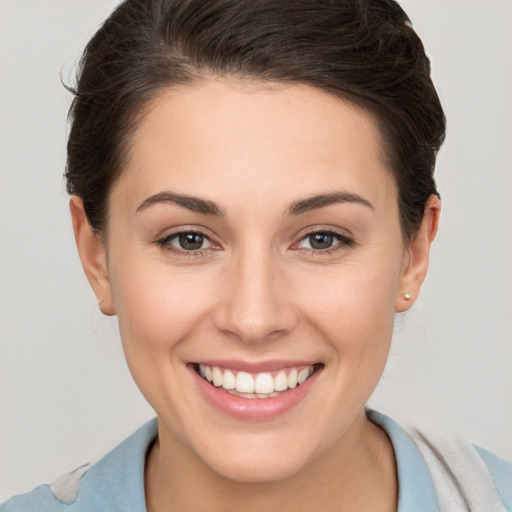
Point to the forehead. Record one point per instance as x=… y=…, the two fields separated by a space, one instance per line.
x=261 y=141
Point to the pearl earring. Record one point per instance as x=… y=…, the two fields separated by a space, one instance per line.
x=407 y=296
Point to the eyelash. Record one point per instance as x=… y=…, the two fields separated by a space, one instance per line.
x=343 y=242
x=165 y=243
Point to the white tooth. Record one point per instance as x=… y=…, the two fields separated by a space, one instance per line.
x=292 y=378
x=262 y=395
x=244 y=382
x=202 y=370
x=243 y=395
x=272 y=395
x=208 y=372
x=264 y=383
x=229 y=380
x=281 y=381
x=303 y=375
x=217 y=376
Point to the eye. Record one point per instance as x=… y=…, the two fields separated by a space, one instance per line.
x=190 y=241
x=323 y=241
x=186 y=241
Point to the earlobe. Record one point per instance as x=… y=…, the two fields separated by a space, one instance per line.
x=416 y=263
x=92 y=255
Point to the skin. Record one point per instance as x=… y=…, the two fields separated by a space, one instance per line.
x=256 y=291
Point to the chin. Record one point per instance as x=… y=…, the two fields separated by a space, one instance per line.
x=265 y=457
x=257 y=469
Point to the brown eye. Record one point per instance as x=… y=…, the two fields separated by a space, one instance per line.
x=185 y=242
x=190 y=241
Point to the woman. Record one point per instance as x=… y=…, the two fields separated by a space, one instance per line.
x=252 y=196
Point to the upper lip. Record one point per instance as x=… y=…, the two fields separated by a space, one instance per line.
x=255 y=367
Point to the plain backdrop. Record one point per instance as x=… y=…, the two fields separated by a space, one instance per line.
x=66 y=396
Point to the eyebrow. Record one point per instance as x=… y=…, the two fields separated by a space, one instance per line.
x=207 y=207
x=195 y=204
x=323 y=200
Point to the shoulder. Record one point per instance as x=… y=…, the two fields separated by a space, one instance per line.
x=501 y=471
x=39 y=500
x=460 y=473
x=459 y=467
x=57 y=496
x=114 y=483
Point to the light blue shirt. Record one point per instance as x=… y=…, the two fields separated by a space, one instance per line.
x=116 y=482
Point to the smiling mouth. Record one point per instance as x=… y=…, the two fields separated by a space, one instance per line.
x=257 y=385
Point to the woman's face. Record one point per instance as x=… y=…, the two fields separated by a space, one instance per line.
x=255 y=232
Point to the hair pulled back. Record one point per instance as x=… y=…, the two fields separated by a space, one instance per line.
x=362 y=50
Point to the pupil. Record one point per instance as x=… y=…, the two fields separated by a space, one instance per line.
x=191 y=241
x=321 y=240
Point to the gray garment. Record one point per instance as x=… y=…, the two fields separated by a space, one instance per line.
x=462 y=480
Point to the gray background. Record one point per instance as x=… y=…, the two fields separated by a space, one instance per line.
x=65 y=394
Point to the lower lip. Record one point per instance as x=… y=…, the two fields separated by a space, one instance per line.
x=254 y=408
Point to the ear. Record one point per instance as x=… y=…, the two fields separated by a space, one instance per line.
x=416 y=261
x=92 y=255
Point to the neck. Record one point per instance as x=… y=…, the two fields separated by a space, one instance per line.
x=357 y=474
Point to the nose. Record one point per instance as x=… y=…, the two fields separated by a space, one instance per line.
x=255 y=303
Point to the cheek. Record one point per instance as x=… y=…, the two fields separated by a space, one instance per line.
x=157 y=306
x=354 y=304
x=352 y=310
x=159 y=309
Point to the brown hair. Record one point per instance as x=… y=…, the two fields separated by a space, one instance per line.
x=363 y=50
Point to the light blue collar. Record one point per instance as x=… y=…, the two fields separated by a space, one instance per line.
x=416 y=491
x=117 y=480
